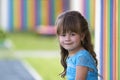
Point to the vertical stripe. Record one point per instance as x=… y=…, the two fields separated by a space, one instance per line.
x=98 y=35
x=105 y=49
x=101 y=37
x=17 y=15
x=75 y=5
x=110 y=41
x=5 y=6
x=0 y=13
x=10 y=8
x=51 y=12
x=87 y=12
x=84 y=7
x=66 y=4
x=31 y=14
x=24 y=15
x=116 y=22
x=114 y=42
x=92 y=17
x=20 y=15
x=92 y=13
x=40 y=11
x=37 y=13
x=44 y=12
x=59 y=7
x=111 y=38
x=81 y=6
x=119 y=40
x=108 y=46
x=103 y=46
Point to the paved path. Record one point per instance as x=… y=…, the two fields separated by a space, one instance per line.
x=12 y=69
x=15 y=69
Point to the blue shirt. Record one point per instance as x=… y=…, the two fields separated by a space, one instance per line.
x=81 y=58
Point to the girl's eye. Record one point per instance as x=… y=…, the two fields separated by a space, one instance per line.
x=62 y=35
x=73 y=34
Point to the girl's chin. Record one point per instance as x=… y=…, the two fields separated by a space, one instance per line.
x=69 y=49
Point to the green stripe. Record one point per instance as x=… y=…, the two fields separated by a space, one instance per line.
x=109 y=17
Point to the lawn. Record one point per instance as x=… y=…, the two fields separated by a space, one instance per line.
x=48 y=68
x=33 y=41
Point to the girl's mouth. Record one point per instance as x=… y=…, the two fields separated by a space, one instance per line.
x=67 y=43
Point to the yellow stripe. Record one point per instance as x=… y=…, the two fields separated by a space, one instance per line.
x=58 y=7
x=17 y=17
x=92 y=14
x=116 y=15
x=106 y=41
x=44 y=11
x=30 y=13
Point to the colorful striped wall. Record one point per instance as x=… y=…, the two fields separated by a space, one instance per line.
x=108 y=22
x=26 y=15
x=87 y=8
x=108 y=38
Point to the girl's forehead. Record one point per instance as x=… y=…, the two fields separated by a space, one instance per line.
x=68 y=29
x=67 y=32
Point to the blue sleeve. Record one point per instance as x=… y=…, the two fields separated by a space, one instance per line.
x=84 y=60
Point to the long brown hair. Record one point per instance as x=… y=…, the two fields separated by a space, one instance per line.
x=73 y=21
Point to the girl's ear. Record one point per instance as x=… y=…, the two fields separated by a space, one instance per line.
x=82 y=36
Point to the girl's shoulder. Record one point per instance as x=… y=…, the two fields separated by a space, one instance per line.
x=83 y=53
x=84 y=58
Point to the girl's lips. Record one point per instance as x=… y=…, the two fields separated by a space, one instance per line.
x=67 y=43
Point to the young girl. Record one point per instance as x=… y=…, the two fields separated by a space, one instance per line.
x=77 y=55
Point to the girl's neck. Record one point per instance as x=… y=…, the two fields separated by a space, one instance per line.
x=73 y=52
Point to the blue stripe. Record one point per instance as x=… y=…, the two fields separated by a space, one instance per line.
x=66 y=5
x=25 y=24
x=101 y=39
x=10 y=15
x=37 y=12
x=88 y=10
x=51 y=12
x=111 y=39
x=24 y=15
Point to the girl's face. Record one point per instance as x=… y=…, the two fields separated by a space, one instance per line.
x=71 y=41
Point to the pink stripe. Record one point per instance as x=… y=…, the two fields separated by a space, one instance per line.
x=104 y=35
x=114 y=41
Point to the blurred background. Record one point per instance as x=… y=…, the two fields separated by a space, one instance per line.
x=27 y=33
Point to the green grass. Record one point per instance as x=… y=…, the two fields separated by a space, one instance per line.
x=48 y=68
x=32 y=41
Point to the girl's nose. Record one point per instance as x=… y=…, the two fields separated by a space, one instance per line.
x=67 y=37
